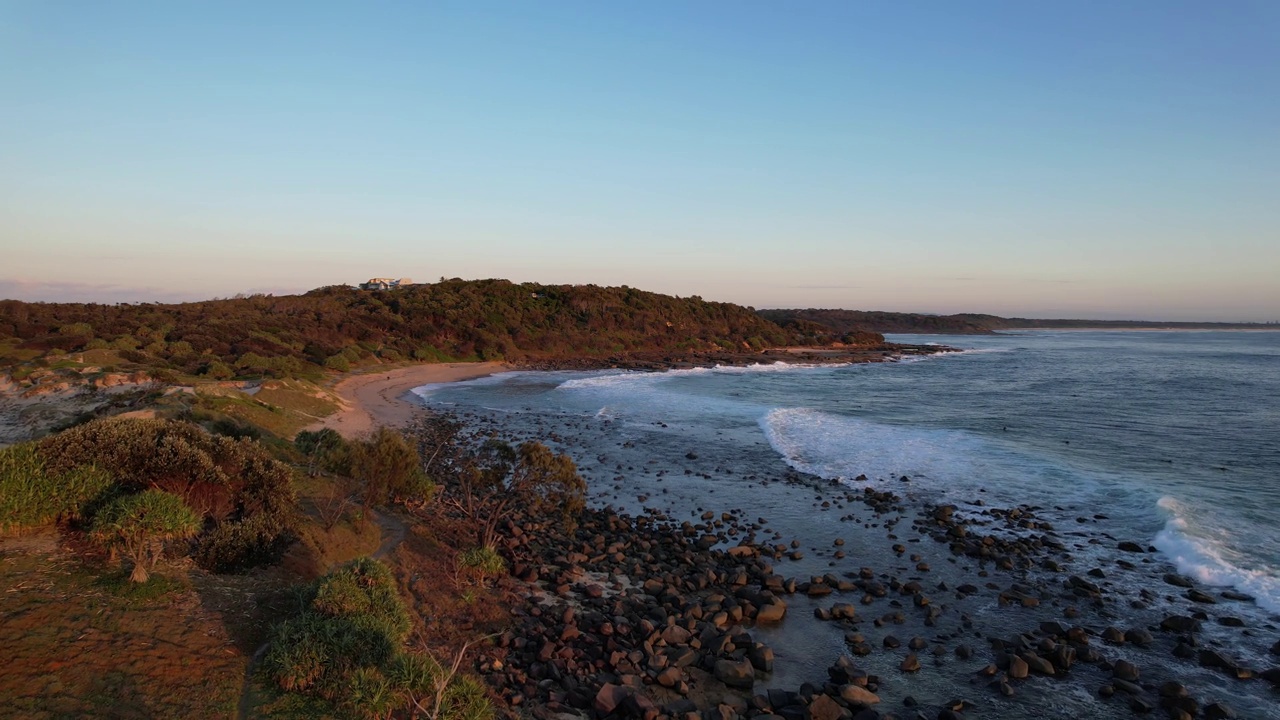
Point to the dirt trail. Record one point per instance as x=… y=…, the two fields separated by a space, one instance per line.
x=393 y=532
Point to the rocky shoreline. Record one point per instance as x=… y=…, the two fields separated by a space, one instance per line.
x=959 y=611
x=825 y=355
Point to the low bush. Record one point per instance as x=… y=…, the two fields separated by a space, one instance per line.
x=233 y=485
x=236 y=546
x=479 y=564
x=389 y=468
x=346 y=647
x=140 y=524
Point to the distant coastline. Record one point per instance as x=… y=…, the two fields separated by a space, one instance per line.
x=845 y=321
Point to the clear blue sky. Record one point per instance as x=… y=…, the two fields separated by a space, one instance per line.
x=1103 y=159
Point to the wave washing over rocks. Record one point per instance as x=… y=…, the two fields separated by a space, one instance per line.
x=904 y=595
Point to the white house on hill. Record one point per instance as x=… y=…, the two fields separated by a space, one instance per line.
x=385 y=283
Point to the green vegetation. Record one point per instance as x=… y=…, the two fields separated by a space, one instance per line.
x=478 y=564
x=140 y=524
x=388 y=468
x=491 y=484
x=381 y=469
x=117 y=476
x=339 y=328
x=816 y=325
x=32 y=495
x=346 y=646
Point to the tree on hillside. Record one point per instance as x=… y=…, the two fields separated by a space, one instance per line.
x=388 y=468
x=140 y=524
x=502 y=480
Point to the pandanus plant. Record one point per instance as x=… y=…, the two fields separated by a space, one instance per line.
x=140 y=524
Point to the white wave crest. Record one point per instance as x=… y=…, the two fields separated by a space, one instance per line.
x=1209 y=560
x=627 y=377
x=950 y=353
x=834 y=446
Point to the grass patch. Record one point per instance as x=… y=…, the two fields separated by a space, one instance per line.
x=31 y=495
x=118 y=585
x=280 y=408
x=75 y=648
x=297 y=397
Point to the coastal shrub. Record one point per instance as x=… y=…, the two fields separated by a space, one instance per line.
x=437 y=691
x=78 y=329
x=227 y=482
x=32 y=495
x=351 y=618
x=325 y=450
x=235 y=546
x=478 y=564
x=496 y=481
x=388 y=468
x=346 y=646
x=217 y=370
x=140 y=524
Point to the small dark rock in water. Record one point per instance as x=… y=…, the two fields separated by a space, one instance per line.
x=1180 y=623
x=1125 y=670
x=1138 y=636
x=1275 y=649
x=1177 y=580
x=1229 y=621
x=1201 y=597
x=738 y=674
x=1233 y=595
x=1173 y=689
x=1114 y=636
x=910 y=664
x=1140 y=706
x=1214 y=659
x=691 y=455
x=1018 y=668
x=1134 y=547
x=1219 y=711
x=824 y=708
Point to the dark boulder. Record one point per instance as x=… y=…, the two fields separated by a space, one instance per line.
x=1180 y=623
x=735 y=673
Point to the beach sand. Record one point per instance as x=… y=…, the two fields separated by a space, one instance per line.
x=380 y=398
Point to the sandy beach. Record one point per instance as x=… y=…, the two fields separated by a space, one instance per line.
x=380 y=398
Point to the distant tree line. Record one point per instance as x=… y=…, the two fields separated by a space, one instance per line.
x=338 y=327
x=842 y=322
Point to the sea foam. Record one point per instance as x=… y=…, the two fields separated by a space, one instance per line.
x=626 y=377
x=953 y=464
x=1210 y=560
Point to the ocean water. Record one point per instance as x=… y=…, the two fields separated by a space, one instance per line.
x=1167 y=439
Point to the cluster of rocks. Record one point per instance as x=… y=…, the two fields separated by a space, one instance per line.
x=652 y=618
x=633 y=603
x=1026 y=542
